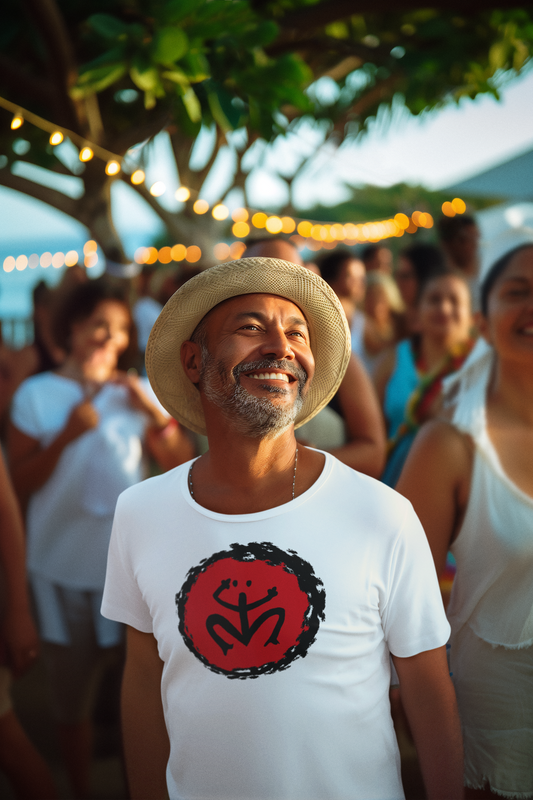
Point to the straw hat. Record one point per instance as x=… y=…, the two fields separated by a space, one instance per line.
x=330 y=335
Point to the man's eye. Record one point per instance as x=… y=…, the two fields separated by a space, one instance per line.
x=249 y=328
x=296 y=333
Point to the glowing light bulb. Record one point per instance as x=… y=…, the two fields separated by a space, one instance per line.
x=221 y=251
x=240 y=215
x=86 y=154
x=89 y=247
x=182 y=194
x=220 y=212
x=458 y=205
x=448 y=210
x=17 y=122
x=71 y=258
x=259 y=220
x=157 y=189
x=56 y=137
x=112 y=168
x=240 y=230
x=137 y=177
x=273 y=225
x=194 y=254
x=200 y=207
x=288 y=225
x=179 y=251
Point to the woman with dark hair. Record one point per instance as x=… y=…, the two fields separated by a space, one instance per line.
x=471 y=483
x=409 y=378
x=75 y=443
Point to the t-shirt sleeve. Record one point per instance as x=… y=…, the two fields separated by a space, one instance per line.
x=123 y=600
x=413 y=616
x=23 y=411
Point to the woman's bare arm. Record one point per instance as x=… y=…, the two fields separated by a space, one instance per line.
x=436 y=479
x=365 y=449
x=32 y=465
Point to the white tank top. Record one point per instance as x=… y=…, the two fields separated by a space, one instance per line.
x=493 y=588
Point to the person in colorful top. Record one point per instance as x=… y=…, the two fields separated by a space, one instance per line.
x=409 y=378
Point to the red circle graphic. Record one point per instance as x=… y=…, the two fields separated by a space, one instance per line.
x=247 y=611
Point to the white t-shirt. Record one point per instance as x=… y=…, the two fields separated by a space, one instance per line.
x=70 y=517
x=275 y=630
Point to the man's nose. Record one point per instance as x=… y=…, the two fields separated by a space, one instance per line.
x=277 y=345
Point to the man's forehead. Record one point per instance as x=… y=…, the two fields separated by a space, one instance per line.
x=257 y=303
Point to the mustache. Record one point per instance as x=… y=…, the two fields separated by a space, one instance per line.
x=271 y=365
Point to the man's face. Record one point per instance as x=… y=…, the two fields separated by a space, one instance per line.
x=258 y=363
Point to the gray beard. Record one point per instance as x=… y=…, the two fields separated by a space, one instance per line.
x=256 y=417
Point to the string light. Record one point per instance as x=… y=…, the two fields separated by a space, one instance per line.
x=220 y=212
x=194 y=254
x=315 y=235
x=240 y=215
x=89 y=247
x=86 y=154
x=240 y=229
x=71 y=258
x=182 y=194
x=458 y=205
x=157 y=189
x=112 y=168
x=200 y=207
x=273 y=225
x=164 y=255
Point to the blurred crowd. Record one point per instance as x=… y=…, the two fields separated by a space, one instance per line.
x=80 y=423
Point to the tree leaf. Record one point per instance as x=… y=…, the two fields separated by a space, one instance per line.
x=192 y=104
x=176 y=10
x=96 y=80
x=107 y=26
x=145 y=79
x=177 y=76
x=169 y=45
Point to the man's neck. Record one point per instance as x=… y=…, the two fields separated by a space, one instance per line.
x=244 y=475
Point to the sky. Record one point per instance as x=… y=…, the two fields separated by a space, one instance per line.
x=435 y=150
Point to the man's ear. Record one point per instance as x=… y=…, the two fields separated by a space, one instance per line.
x=191 y=361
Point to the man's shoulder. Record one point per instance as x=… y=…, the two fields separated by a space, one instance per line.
x=366 y=495
x=155 y=490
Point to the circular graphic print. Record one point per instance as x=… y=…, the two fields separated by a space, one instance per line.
x=251 y=610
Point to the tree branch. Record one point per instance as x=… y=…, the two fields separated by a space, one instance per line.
x=58 y=200
x=169 y=218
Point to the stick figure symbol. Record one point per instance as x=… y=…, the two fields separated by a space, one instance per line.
x=243 y=607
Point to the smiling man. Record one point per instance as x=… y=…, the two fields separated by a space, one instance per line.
x=265 y=585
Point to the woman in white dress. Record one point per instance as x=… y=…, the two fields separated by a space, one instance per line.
x=76 y=442
x=471 y=483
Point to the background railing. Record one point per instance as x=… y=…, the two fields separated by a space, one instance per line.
x=16 y=332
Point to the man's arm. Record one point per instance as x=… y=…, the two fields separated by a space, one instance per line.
x=146 y=743
x=429 y=701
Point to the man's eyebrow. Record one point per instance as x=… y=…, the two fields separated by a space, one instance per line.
x=294 y=320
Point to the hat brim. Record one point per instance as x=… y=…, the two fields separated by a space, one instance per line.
x=329 y=331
